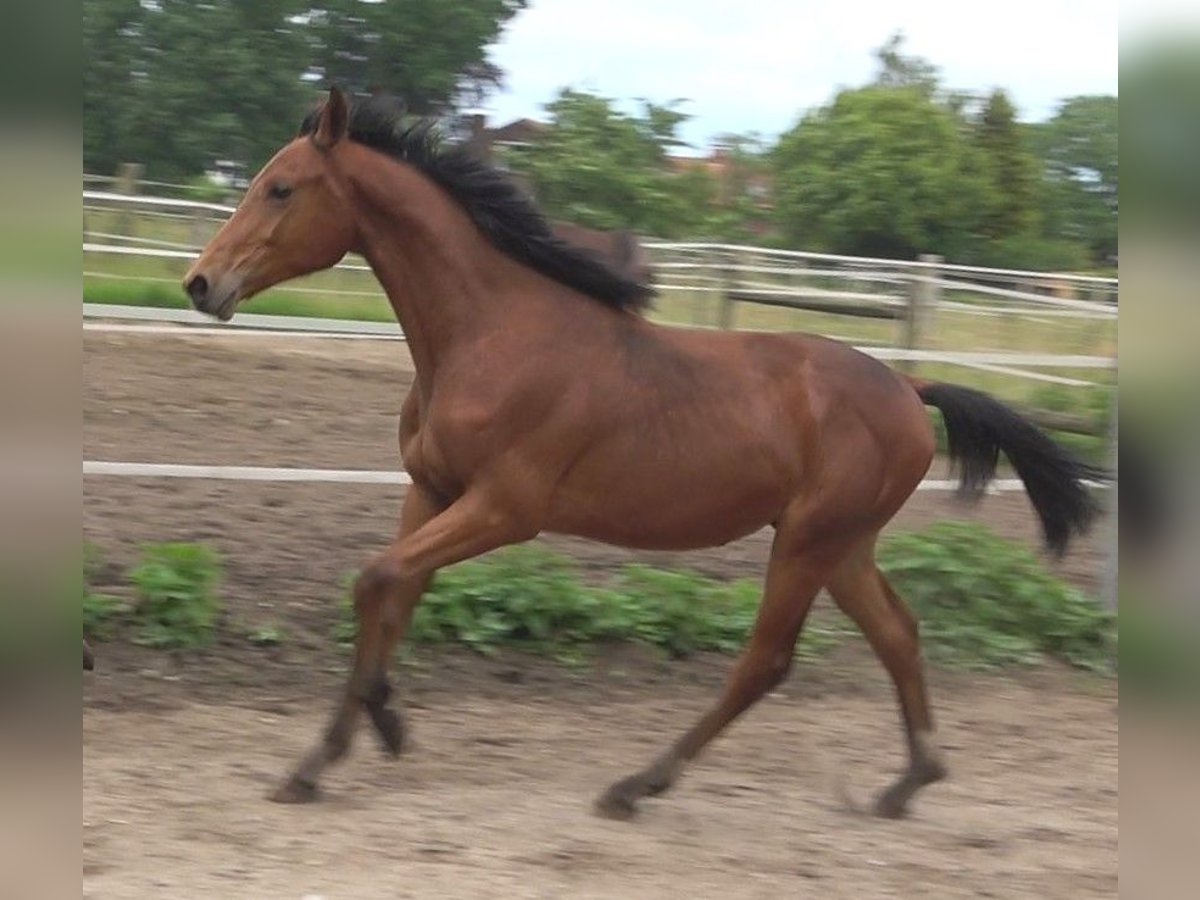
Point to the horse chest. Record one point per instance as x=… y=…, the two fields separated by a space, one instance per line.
x=430 y=459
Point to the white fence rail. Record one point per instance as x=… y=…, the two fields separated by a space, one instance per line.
x=700 y=261
x=156 y=320
x=107 y=468
x=712 y=280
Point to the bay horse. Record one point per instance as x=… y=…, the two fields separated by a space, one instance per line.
x=543 y=402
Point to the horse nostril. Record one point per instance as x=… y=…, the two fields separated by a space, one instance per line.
x=197 y=289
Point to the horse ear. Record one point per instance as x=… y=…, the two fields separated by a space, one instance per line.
x=333 y=120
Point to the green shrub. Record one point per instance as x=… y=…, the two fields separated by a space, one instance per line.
x=529 y=598
x=985 y=601
x=100 y=612
x=1037 y=253
x=515 y=597
x=175 y=586
x=683 y=612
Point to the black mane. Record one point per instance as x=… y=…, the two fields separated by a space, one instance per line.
x=504 y=213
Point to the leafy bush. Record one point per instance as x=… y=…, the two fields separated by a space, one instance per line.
x=532 y=599
x=1037 y=253
x=519 y=597
x=683 y=612
x=177 y=604
x=985 y=601
x=100 y=612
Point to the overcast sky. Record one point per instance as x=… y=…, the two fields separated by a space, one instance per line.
x=755 y=65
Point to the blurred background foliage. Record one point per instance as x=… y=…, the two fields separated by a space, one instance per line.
x=900 y=166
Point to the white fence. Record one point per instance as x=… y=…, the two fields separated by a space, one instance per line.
x=725 y=286
x=112 y=317
x=714 y=267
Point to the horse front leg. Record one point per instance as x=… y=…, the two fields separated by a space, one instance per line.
x=386 y=593
x=380 y=602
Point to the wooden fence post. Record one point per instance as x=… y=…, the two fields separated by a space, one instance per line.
x=128 y=176
x=923 y=297
x=725 y=318
x=701 y=313
x=199 y=230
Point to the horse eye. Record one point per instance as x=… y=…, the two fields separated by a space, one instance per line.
x=279 y=191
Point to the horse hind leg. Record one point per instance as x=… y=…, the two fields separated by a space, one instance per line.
x=794 y=576
x=863 y=593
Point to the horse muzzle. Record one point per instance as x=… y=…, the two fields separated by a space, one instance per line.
x=216 y=297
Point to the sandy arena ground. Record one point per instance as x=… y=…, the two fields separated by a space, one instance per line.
x=493 y=800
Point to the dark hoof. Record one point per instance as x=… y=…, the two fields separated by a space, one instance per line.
x=620 y=800
x=889 y=806
x=390 y=727
x=294 y=790
x=616 y=805
x=893 y=803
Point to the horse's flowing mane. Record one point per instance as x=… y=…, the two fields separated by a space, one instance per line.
x=500 y=209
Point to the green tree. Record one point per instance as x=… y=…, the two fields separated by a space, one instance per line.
x=429 y=52
x=743 y=208
x=175 y=85
x=1012 y=167
x=883 y=171
x=599 y=167
x=1078 y=152
x=109 y=44
x=896 y=69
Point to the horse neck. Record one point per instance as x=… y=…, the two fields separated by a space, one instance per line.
x=433 y=264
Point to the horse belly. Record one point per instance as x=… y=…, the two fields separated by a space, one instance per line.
x=668 y=507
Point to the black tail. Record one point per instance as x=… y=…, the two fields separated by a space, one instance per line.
x=979 y=427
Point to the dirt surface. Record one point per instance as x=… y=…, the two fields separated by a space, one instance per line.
x=493 y=800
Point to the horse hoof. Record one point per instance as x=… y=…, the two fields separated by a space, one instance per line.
x=890 y=807
x=619 y=802
x=617 y=807
x=294 y=790
x=391 y=730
